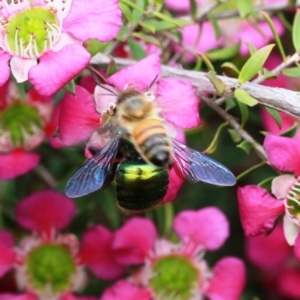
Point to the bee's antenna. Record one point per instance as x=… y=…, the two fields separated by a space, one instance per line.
x=152 y=82
x=99 y=79
x=112 y=92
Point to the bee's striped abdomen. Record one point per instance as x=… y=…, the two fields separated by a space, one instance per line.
x=151 y=138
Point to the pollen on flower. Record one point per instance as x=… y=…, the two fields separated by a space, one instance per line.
x=293 y=202
x=31 y=32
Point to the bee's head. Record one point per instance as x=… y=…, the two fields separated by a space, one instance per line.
x=134 y=105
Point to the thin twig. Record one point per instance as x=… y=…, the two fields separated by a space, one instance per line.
x=278 y=98
x=234 y=124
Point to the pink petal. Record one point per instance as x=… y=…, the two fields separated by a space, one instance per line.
x=281 y=185
x=104 y=99
x=124 y=289
x=260 y=250
x=134 y=240
x=291 y=229
x=178 y=102
x=98 y=19
x=288 y=282
x=25 y=296
x=175 y=183
x=78 y=117
x=44 y=211
x=297 y=247
x=283 y=153
x=182 y=5
x=56 y=69
x=229 y=279
x=20 y=67
x=258 y=210
x=96 y=252
x=141 y=73
x=4 y=67
x=208 y=226
x=17 y=163
x=6 y=252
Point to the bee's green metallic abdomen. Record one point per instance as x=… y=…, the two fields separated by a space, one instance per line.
x=140 y=185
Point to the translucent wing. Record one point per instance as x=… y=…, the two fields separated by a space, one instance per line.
x=195 y=166
x=94 y=173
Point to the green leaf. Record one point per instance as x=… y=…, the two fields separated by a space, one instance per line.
x=207 y=62
x=93 y=46
x=244 y=113
x=193 y=9
x=292 y=72
x=223 y=53
x=230 y=66
x=156 y=25
x=246 y=146
x=267 y=183
x=176 y=22
x=214 y=143
x=254 y=64
x=275 y=114
x=245 y=7
x=126 y=12
x=275 y=34
x=137 y=14
x=70 y=87
x=291 y=131
x=131 y=4
x=230 y=103
x=296 y=31
x=147 y=38
x=217 y=82
x=242 y=96
x=137 y=50
x=112 y=68
x=234 y=135
x=215 y=24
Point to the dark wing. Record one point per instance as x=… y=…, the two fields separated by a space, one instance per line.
x=94 y=173
x=195 y=166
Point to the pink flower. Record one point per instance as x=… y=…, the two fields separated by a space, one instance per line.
x=183 y=273
x=49 y=264
x=279 y=272
x=82 y=115
x=259 y=209
x=23 y=123
x=43 y=40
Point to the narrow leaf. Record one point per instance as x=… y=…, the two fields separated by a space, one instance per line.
x=275 y=114
x=254 y=63
x=70 y=87
x=207 y=62
x=292 y=72
x=245 y=7
x=223 y=53
x=296 y=31
x=215 y=24
x=246 y=146
x=231 y=66
x=234 y=135
x=147 y=38
x=244 y=97
x=244 y=113
x=217 y=82
x=137 y=50
x=214 y=143
x=291 y=131
x=275 y=34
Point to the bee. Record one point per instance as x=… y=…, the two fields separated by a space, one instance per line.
x=139 y=155
x=140 y=119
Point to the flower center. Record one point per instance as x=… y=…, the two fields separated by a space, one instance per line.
x=293 y=202
x=50 y=268
x=19 y=120
x=31 y=32
x=174 y=276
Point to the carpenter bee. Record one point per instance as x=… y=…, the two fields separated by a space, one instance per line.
x=139 y=155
